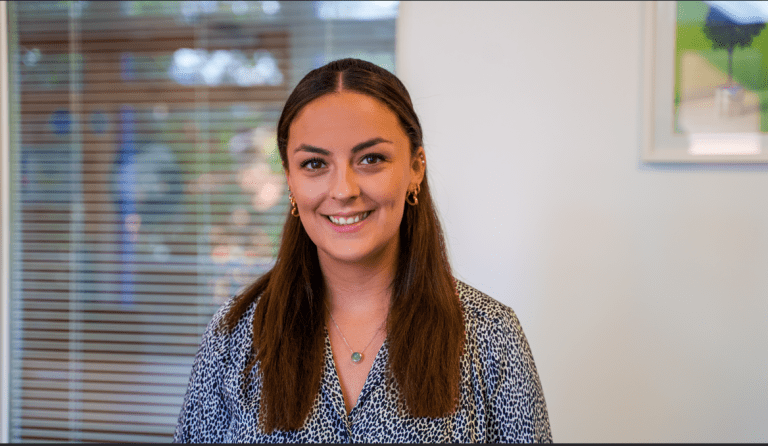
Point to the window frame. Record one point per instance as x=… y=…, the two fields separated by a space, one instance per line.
x=8 y=208
x=5 y=142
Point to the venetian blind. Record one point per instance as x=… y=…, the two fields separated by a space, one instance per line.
x=146 y=190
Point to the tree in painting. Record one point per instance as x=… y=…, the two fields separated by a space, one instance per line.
x=727 y=34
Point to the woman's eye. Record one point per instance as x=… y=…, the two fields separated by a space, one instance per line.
x=372 y=158
x=312 y=164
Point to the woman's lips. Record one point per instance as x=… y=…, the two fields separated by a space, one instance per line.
x=348 y=220
x=349 y=223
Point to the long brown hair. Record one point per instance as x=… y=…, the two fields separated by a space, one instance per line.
x=425 y=328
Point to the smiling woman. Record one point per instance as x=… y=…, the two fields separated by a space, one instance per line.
x=362 y=268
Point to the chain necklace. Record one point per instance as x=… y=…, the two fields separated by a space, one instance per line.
x=356 y=356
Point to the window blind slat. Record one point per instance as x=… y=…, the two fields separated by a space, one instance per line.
x=64 y=423
x=34 y=397
x=147 y=389
x=98 y=358
x=124 y=347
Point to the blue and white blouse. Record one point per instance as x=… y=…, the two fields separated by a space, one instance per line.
x=501 y=397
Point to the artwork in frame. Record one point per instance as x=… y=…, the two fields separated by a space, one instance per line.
x=705 y=82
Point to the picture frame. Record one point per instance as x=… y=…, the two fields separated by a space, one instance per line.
x=710 y=123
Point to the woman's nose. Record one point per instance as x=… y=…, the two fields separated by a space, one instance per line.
x=345 y=184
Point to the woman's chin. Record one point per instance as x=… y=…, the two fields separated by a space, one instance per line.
x=348 y=253
x=349 y=256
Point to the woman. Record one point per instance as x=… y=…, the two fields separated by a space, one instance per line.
x=362 y=268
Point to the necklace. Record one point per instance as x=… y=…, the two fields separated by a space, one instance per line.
x=356 y=356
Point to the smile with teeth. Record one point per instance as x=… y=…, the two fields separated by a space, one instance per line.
x=341 y=221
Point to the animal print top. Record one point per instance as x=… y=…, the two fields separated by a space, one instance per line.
x=501 y=396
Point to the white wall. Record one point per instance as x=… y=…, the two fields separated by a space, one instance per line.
x=642 y=289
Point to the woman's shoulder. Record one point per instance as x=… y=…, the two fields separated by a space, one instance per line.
x=484 y=312
x=224 y=346
x=218 y=330
x=500 y=355
x=492 y=326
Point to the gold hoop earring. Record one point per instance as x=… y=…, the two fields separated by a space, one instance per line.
x=294 y=208
x=412 y=197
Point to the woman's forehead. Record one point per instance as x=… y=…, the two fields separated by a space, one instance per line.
x=344 y=119
x=344 y=103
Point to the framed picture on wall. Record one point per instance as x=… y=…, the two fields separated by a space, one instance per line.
x=705 y=82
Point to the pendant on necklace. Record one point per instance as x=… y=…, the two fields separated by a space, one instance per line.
x=357 y=357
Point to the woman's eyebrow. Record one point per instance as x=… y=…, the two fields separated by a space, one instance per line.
x=357 y=148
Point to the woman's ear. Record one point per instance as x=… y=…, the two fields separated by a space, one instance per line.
x=418 y=166
x=287 y=176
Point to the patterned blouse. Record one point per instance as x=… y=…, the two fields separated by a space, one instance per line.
x=501 y=397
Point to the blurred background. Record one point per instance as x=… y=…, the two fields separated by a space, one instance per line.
x=145 y=189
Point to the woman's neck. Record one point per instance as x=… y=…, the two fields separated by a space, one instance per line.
x=359 y=290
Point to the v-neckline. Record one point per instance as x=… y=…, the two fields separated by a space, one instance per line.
x=373 y=376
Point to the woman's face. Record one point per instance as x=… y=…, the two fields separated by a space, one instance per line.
x=350 y=168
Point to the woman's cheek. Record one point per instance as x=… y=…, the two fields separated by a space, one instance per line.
x=312 y=192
